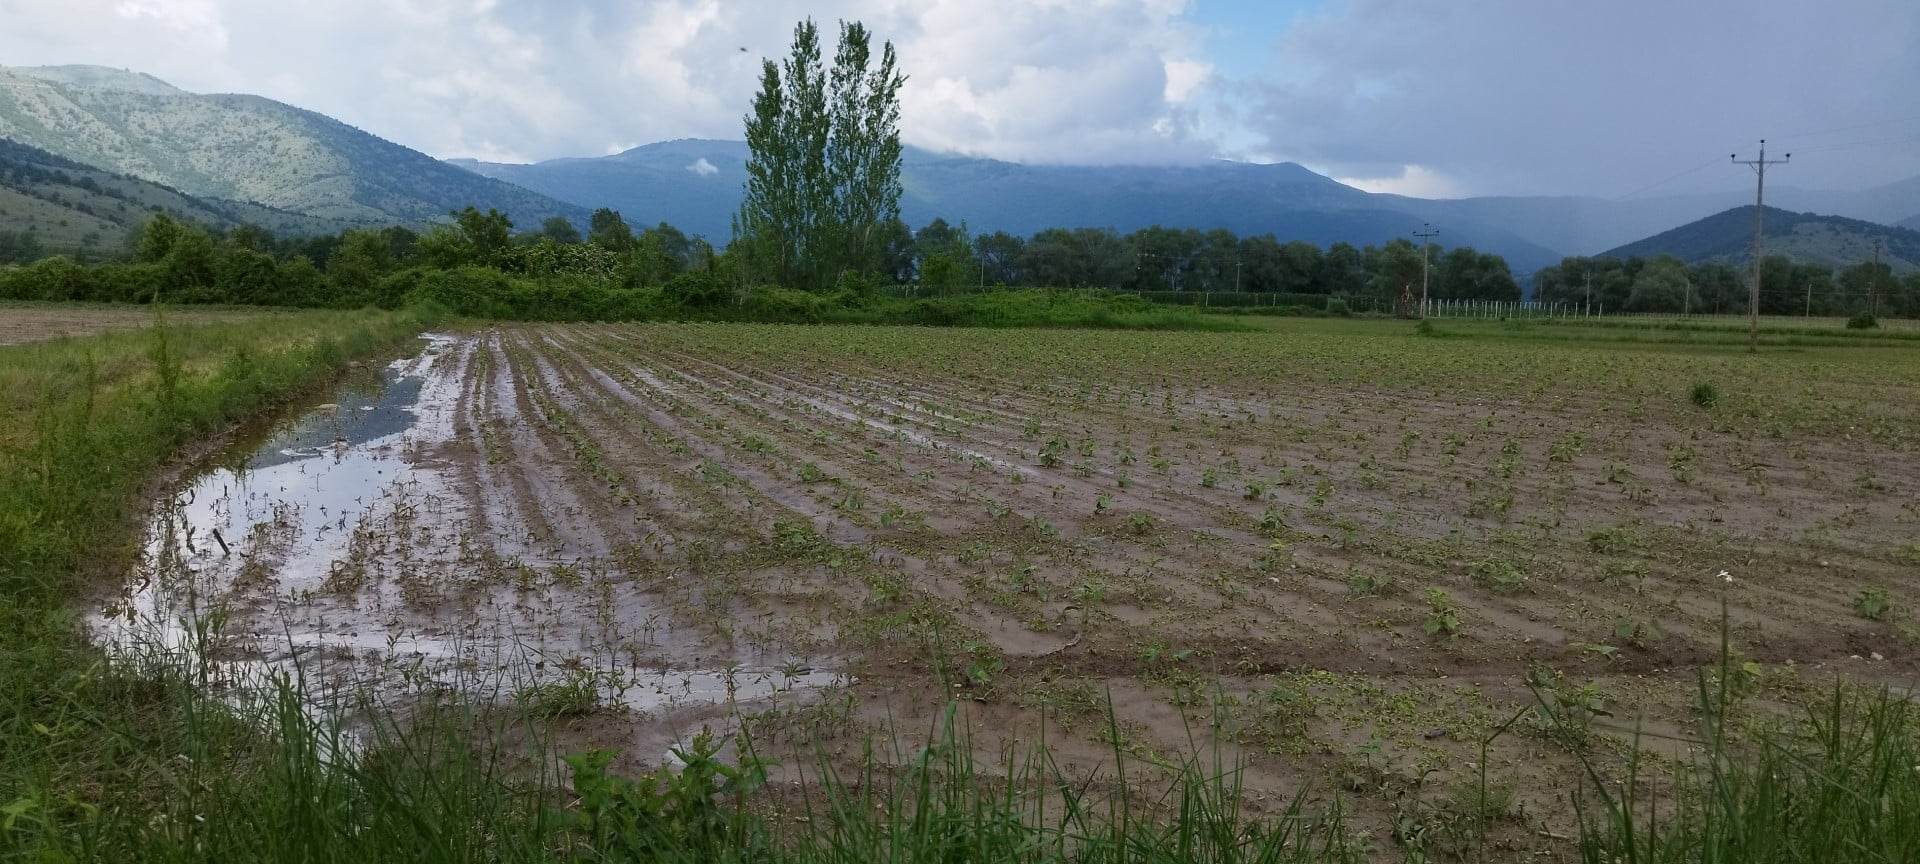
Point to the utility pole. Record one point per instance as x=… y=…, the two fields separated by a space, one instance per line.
x=1873 y=288
x=1426 y=234
x=1589 y=292
x=1759 y=222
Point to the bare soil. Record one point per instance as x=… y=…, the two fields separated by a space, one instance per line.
x=1347 y=579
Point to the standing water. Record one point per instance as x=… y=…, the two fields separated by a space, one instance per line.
x=343 y=552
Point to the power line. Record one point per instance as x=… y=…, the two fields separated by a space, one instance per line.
x=1858 y=126
x=1652 y=186
x=1759 y=220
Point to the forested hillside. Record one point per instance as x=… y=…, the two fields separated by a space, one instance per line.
x=244 y=148
x=52 y=205
x=1806 y=238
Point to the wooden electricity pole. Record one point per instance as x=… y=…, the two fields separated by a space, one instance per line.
x=1426 y=234
x=1759 y=223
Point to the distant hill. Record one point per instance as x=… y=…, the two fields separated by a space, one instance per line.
x=81 y=210
x=1911 y=222
x=695 y=184
x=244 y=148
x=1834 y=241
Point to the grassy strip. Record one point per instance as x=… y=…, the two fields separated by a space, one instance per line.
x=84 y=424
x=1840 y=785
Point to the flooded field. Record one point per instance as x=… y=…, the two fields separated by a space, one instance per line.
x=1346 y=562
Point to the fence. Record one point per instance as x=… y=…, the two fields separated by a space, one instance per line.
x=1435 y=307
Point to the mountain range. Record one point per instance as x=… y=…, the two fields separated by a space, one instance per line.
x=231 y=148
x=1833 y=241
x=695 y=184
x=245 y=148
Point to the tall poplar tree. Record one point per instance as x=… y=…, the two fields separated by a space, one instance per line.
x=823 y=170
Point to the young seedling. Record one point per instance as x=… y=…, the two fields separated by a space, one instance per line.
x=1443 y=619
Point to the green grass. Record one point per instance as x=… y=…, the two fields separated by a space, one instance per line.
x=1840 y=784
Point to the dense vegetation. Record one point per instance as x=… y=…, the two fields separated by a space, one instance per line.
x=479 y=266
x=1666 y=284
x=51 y=205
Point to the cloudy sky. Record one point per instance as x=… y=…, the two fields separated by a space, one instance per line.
x=1461 y=97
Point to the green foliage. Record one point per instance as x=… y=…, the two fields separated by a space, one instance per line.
x=1704 y=394
x=1863 y=321
x=823 y=174
x=1873 y=603
x=1443 y=617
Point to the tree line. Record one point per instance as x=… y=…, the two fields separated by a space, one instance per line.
x=1667 y=284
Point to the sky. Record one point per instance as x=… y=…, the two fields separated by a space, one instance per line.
x=1620 y=98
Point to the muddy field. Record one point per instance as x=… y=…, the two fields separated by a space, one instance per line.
x=1342 y=553
x=20 y=323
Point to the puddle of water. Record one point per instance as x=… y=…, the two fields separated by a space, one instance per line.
x=339 y=552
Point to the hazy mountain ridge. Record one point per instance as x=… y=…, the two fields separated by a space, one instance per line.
x=75 y=208
x=695 y=184
x=244 y=147
x=1833 y=241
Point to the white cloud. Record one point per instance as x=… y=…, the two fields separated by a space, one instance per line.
x=1418 y=181
x=1048 y=80
x=703 y=168
x=1521 y=96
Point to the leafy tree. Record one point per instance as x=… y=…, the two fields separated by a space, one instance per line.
x=863 y=159
x=1396 y=275
x=823 y=174
x=1660 y=286
x=251 y=237
x=488 y=235
x=157 y=238
x=1343 y=270
x=1462 y=273
x=559 y=230
x=356 y=267
x=610 y=232
x=944 y=255
x=999 y=255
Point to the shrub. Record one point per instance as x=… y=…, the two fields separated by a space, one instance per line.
x=1863 y=321
x=698 y=289
x=1705 y=394
x=1338 y=306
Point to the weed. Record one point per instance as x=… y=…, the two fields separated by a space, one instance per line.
x=1704 y=394
x=1498 y=575
x=1443 y=618
x=1372 y=584
x=1873 y=603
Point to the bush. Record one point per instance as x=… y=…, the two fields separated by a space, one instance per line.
x=785 y=305
x=1863 y=321
x=1338 y=306
x=1705 y=394
x=698 y=289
